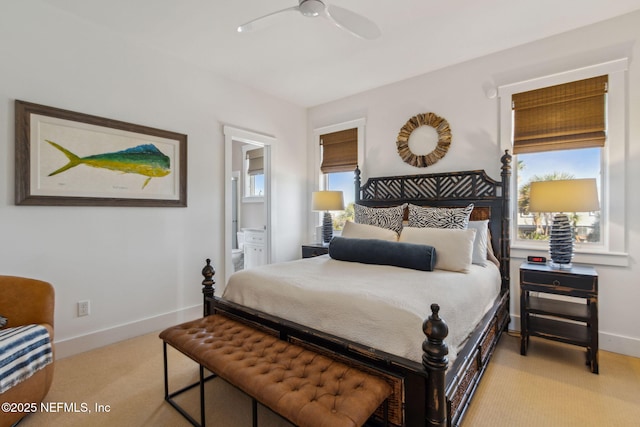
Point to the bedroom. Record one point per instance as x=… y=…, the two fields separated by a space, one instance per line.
x=56 y=59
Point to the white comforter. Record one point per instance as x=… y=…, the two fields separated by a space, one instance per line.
x=379 y=306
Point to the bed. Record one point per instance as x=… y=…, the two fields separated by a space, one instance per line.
x=432 y=362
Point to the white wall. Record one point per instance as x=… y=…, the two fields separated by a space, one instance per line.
x=139 y=267
x=457 y=93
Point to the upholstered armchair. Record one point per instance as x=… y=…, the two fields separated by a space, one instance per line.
x=26 y=301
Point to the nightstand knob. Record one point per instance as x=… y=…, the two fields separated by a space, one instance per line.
x=556 y=283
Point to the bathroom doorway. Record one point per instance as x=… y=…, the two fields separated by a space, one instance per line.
x=247 y=199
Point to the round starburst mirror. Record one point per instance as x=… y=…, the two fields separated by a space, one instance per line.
x=424 y=140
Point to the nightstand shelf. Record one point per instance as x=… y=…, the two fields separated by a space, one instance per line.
x=569 y=333
x=568 y=310
x=567 y=320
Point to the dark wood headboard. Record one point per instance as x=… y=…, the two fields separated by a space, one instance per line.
x=451 y=189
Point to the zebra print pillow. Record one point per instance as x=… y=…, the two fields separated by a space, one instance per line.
x=420 y=216
x=390 y=218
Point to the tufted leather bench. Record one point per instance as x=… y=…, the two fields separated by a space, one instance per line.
x=306 y=388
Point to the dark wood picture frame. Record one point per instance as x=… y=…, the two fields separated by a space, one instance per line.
x=140 y=165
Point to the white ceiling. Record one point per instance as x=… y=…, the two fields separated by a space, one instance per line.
x=308 y=61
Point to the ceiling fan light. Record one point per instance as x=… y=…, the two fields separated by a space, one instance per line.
x=311 y=8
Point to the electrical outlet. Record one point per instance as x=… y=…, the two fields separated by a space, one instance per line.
x=83 y=308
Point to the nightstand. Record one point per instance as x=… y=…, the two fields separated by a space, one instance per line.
x=559 y=320
x=314 y=249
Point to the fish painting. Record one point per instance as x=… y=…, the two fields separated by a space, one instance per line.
x=144 y=160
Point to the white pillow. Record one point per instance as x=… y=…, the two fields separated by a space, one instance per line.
x=366 y=231
x=480 y=244
x=454 y=247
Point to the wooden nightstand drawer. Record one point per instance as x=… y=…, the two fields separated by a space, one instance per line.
x=560 y=282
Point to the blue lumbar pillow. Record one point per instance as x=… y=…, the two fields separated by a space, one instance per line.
x=383 y=252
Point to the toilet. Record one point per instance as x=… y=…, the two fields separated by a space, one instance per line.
x=237 y=255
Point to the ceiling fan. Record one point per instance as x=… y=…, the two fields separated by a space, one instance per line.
x=345 y=19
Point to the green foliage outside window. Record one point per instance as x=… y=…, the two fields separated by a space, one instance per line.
x=541 y=222
x=339 y=219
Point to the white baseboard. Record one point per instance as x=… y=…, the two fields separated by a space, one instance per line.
x=628 y=346
x=619 y=344
x=608 y=342
x=82 y=343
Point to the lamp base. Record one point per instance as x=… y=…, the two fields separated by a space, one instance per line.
x=561 y=242
x=556 y=266
x=327 y=228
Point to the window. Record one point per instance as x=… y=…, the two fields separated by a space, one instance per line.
x=342 y=181
x=253 y=165
x=340 y=152
x=559 y=132
x=602 y=235
x=550 y=165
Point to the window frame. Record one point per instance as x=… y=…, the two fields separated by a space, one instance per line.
x=613 y=180
x=320 y=179
x=358 y=124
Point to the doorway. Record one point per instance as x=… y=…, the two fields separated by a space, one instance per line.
x=251 y=209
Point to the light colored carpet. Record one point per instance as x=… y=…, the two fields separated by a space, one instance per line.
x=550 y=387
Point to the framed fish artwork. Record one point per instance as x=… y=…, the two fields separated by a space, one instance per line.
x=69 y=158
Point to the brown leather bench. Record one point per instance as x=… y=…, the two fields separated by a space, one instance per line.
x=306 y=388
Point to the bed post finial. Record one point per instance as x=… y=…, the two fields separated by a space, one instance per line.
x=435 y=361
x=506 y=160
x=208 y=289
x=356 y=181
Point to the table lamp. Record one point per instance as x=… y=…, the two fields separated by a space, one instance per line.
x=327 y=201
x=558 y=196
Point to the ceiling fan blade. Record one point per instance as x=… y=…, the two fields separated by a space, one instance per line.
x=262 y=21
x=352 y=22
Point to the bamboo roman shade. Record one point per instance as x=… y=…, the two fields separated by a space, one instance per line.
x=561 y=117
x=339 y=151
x=256 y=161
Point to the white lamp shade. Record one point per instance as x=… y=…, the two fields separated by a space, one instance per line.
x=567 y=195
x=327 y=201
